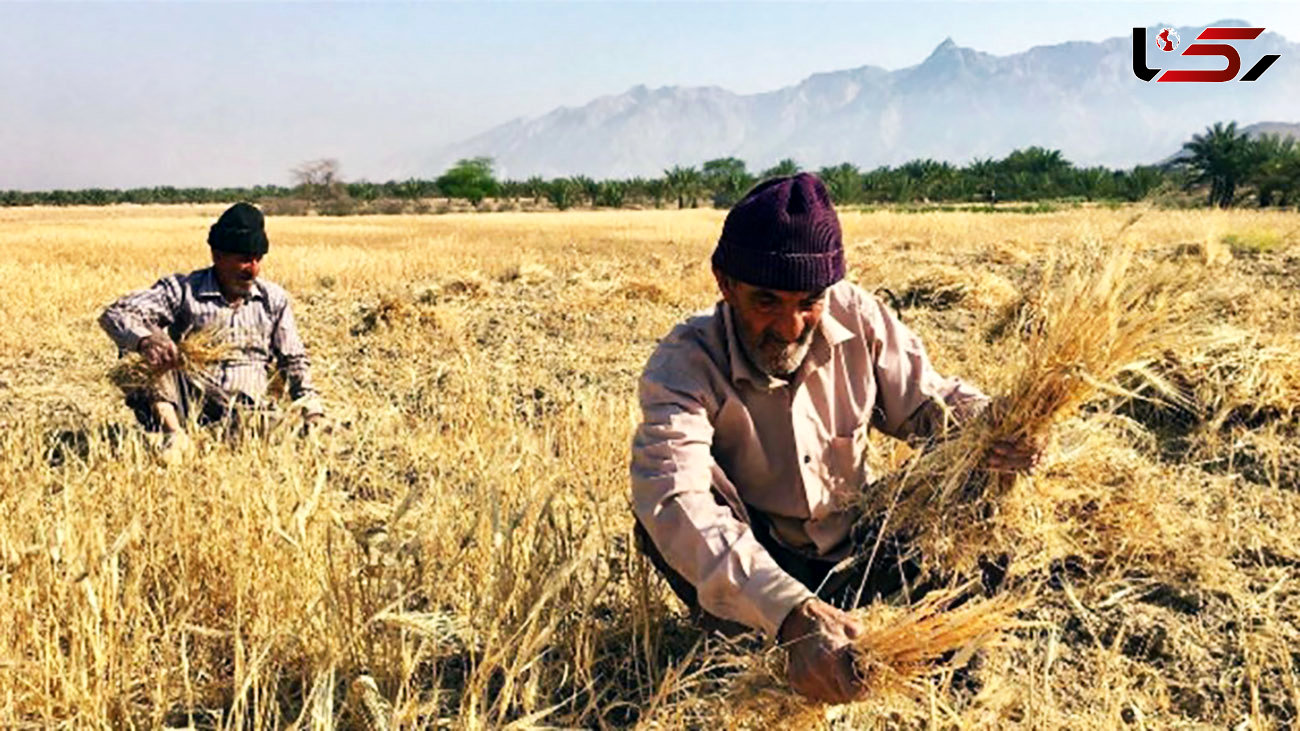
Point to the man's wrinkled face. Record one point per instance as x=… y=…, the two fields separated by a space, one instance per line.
x=236 y=272
x=775 y=326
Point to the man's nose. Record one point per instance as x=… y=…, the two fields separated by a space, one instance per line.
x=789 y=326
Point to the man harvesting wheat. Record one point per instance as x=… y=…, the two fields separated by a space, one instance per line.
x=256 y=328
x=748 y=465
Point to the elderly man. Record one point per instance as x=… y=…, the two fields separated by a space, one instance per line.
x=253 y=315
x=749 y=461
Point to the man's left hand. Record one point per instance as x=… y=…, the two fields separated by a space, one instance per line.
x=1016 y=455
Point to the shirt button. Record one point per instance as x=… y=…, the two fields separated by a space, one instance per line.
x=807 y=458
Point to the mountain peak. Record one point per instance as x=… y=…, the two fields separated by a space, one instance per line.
x=1076 y=96
x=947 y=61
x=947 y=49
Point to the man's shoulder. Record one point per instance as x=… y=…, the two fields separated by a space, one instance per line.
x=274 y=293
x=698 y=326
x=696 y=344
x=176 y=283
x=848 y=304
x=847 y=295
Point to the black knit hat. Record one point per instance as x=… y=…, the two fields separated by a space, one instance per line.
x=783 y=234
x=240 y=230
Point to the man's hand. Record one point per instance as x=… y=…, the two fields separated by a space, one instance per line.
x=1018 y=455
x=820 y=638
x=159 y=352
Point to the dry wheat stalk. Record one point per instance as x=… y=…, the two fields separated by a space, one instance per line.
x=903 y=645
x=1091 y=322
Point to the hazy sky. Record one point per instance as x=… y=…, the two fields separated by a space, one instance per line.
x=116 y=94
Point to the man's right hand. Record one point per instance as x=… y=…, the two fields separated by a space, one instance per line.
x=159 y=352
x=819 y=639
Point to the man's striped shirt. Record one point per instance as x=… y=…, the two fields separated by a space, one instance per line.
x=261 y=330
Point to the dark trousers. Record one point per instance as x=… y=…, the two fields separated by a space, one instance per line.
x=892 y=569
x=192 y=401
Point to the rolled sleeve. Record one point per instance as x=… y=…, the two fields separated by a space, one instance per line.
x=139 y=314
x=674 y=482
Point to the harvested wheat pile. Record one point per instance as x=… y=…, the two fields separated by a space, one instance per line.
x=1236 y=376
x=1093 y=321
x=942 y=287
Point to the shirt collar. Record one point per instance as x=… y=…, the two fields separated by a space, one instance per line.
x=830 y=333
x=205 y=286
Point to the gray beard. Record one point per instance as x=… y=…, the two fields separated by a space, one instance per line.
x=776 y=364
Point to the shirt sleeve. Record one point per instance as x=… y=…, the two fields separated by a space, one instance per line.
x=291 y=358
x=674 y=478
x=139 y=314
x=913 y=399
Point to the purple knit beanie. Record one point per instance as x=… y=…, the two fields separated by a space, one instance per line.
x=783 y=234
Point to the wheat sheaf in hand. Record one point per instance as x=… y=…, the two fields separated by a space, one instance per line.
x=1093 y=320
x=195 y=353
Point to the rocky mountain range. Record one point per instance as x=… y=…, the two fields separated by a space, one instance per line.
x=958 y=104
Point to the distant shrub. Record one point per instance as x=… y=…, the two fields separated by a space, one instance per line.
x=285 y=207
x=338 y=207
x=389 y=206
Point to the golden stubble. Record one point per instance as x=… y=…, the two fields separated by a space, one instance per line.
x=457 y=552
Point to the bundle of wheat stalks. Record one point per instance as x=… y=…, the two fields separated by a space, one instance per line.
x=902 y=650
x=904 y=644
x=1092 y=320
x=196 y=352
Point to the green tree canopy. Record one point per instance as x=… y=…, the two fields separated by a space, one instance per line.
x=728 y=180
x=470 y=178
x=784 y=167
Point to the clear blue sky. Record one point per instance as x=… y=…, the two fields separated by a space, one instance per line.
x=116 y=94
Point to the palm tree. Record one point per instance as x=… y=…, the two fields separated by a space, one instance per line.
x=562 y=192
x=782 y=168
x=611 y=193
x=536 y=188
x=1141 y=180
x=1277 y=164
x=1221 y=157
x=843 y=182
x=589 y=187
x=727 y=179
x=684 y=183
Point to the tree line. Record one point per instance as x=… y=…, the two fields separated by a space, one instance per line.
x=1224 y=164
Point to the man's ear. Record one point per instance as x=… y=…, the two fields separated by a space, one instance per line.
x=726 y=286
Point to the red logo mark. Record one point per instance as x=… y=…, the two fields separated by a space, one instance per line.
x=1167 y=40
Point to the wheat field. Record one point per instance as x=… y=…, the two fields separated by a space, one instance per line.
x=456 y=552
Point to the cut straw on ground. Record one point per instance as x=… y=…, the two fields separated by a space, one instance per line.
x=1094 y=320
